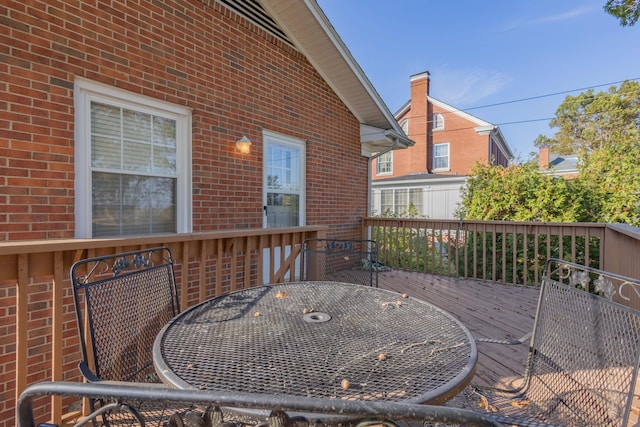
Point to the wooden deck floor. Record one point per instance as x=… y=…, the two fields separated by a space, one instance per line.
x=489 y=310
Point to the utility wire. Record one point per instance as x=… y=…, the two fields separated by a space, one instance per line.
x=521 y=100
x=531 y=98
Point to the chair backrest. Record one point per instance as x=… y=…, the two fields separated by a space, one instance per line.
x=122 y=301
x=585 y=348
x=127 y=404
x=341 y=260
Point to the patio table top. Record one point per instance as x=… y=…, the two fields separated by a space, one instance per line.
x=318 y=339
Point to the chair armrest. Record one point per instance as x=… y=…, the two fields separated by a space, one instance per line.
x=506 y=342
x=89 y=375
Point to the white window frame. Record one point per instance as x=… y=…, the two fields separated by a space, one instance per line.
x=277 y=138
x=404 y=125
x=390 y=162
x=438 y=121
x=87 y=91
x=448 y=157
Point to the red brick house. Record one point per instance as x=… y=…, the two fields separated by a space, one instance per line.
x=126 y=123
x=121 y=118
x=429 y=175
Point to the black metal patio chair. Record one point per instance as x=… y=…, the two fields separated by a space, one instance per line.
x=122 y=301
x=126 y=404
x=341 y=260
x=584 y=353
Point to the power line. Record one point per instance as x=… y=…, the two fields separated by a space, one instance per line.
x=456 y=110
x=531 y=98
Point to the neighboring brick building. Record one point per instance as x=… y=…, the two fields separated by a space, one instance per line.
x=565 y=166
x=429 y=175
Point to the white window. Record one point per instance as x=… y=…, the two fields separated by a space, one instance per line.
x=441 y=156
x=284 y=181
x=405 y=126
x=415 y=199
x=384 y=165
x=386 y=202
x=402 y=202
x=132 y=164
x=438 y=121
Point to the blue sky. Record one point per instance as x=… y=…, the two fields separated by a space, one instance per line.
x=481 y=53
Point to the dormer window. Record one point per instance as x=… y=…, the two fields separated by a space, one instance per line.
x=438 y=121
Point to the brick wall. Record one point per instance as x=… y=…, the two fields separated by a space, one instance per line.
x=237 y=78
x=466 y=147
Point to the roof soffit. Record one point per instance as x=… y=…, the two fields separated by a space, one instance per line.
x=312 y=34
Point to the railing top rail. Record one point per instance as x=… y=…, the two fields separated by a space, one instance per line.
x=39 y=246
x=527 y=223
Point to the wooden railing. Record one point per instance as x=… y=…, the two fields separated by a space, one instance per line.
x=38 y=334
x=502 y=251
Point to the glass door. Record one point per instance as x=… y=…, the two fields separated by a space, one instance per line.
x=284 y=181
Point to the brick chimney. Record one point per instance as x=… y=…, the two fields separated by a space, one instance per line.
x=543 y=158
x=419 y=122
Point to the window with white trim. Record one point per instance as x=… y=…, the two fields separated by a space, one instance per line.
x=133 y=163
x=404 y=125
x=441 y=156
x=438 y=121
x=284 y=180
x=384 y=164
x=404 y=202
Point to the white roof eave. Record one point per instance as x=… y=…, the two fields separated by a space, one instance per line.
x=312 y=34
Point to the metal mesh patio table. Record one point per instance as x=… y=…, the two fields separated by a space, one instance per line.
x=318 y=339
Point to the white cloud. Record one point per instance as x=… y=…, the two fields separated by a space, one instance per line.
x=467 y=87
x=556 y=18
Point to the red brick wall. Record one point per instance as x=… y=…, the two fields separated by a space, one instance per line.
x=237 y=78
x=466 y=147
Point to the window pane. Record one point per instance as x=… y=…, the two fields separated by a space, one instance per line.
x=106 y=153
x=386 y=201
x=385 y=163
x=415 y=198
x=137 y=156
x=105 y=120
x=441 y=156
x=129 y=204
x=282 y=168
x=135 y=143
x=402 y=201
x=282 y=210
x=136 y=125
x=438 y=121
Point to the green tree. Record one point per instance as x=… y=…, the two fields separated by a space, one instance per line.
x=592 y=121
x=627 y=11
x=611 y=177
x=522 y=193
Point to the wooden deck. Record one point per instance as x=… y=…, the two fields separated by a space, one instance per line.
x=489 y=310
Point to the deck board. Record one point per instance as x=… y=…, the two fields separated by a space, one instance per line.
x=488 y=309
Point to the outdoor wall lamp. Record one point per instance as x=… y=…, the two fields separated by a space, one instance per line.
x=243 y=145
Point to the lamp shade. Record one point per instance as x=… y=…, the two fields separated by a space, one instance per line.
x=243 y=145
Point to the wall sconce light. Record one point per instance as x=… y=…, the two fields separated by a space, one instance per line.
x=243 y=145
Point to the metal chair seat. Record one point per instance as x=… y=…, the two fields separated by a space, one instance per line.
x=584 y=353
